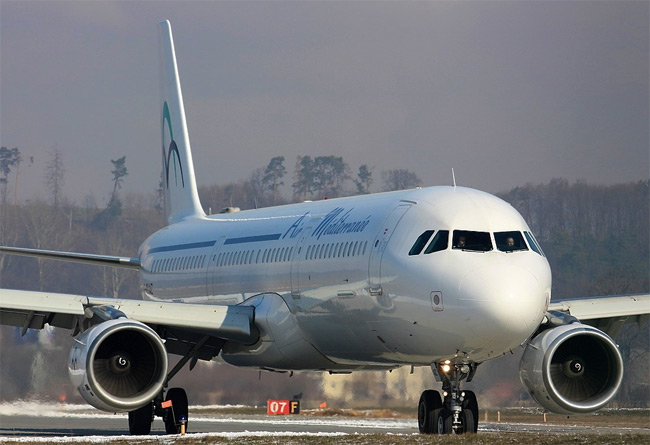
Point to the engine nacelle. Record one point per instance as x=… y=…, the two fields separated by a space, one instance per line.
x=118 y=365
x=572 y=369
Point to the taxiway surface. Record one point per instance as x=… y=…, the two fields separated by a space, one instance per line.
x=75 y=425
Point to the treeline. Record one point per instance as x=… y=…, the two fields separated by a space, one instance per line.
x=595 y=237
x=313 y=179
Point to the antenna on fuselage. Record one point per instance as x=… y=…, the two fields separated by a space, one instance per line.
x=453 y=177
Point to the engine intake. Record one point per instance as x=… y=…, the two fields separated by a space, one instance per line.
x=572 y=369
x=118 y=365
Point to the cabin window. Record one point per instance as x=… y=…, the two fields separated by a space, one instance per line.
x=472 y=241
x=440 y=242
x=533 y=243
x=422 y=241
x=510 y=241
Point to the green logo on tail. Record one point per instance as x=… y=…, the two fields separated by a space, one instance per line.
x=172 y=153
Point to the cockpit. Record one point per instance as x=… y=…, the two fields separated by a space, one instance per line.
x=431 y=241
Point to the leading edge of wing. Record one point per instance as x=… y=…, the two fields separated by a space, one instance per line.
x=611 y=306
x=32 y=310
x=86 y=258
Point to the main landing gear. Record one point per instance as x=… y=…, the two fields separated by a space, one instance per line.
x=173 y=409
x=457 y=412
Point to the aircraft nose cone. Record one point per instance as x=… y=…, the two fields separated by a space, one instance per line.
x=507 y=300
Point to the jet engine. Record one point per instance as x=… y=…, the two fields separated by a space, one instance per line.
x=571 y=369
x=118 y=365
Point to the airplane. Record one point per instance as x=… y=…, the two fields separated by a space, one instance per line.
x=445 y=276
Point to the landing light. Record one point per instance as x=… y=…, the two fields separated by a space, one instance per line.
x=446 y=368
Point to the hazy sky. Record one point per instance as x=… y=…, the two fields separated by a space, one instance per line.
x=505 y=92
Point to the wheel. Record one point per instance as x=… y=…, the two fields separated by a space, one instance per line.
x=444 y=423
x=140 y=420
x=471 y=403
x=469 y=422
x=177 y=412
x=428 y=411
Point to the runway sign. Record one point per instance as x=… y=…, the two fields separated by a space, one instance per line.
x=282 y=407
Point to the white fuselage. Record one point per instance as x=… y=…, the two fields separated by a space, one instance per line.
x=349 y=287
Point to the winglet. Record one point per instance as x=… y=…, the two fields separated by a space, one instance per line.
x=178 y=180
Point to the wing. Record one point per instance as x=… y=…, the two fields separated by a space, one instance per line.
x=181 y=325
x=609 y=313
x=87 y=258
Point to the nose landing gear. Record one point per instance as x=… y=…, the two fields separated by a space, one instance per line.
x=457 y=411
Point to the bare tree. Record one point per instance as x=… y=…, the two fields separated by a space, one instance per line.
x=9 y=157
x=54 y=173
x=400 y=179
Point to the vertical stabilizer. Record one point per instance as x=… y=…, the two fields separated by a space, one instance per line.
x=178 y=181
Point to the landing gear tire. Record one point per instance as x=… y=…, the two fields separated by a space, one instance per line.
x=445 y=422
x=470 y=404
x=140 y=420
x=429 y=409
x=469 y=423
x=177 y=415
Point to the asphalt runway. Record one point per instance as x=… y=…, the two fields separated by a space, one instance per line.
x=65 y=424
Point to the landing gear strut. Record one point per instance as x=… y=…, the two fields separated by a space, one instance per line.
x=457 y=411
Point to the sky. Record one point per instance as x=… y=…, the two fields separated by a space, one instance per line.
x=504 y=92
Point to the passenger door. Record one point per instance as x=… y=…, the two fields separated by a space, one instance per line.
x=379 y=246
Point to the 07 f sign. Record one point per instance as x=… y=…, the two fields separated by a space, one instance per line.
x=282 y=407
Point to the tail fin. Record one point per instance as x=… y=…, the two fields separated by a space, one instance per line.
x=178 y=181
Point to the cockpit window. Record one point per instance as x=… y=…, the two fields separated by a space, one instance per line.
x=472 y=241
x=533 y=243
x=510 y=241
x=440 y=242
x=421 y=242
